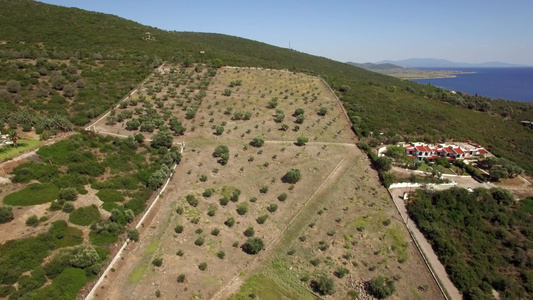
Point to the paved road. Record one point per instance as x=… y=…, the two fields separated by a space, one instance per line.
x=430 y=256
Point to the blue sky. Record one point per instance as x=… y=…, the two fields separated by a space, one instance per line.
x=359 y=31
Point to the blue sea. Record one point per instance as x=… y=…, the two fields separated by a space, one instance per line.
x=506 y=83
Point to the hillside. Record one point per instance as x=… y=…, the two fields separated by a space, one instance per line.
x=414 y=111
x=374 y=67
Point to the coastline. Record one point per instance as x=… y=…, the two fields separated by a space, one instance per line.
x=424 y=74
x=497 y=83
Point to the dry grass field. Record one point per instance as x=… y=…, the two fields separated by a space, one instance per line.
x=336 y=221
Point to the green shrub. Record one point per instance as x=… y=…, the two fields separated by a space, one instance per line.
x=207 y=193
x=65 y=286
x=192 y=200
x=242 y=209
x=33 y=194
x=181 y=278
x=221 y=254
x=381 y=287
x=68 y=207
x=262 y=219
x=133 y=234
x=158 y=261
x=6 y=214
x=199 y=241
x=85 y=216
x=202 y=266
x=341 y=272
x=62 y=235
x=253 y=246
x=109 y=195
x=325 y=286
x=32 y=221
x=6 y=290
x=249 y=232
x=292 y=176
x=263 y=189
x=223 y=201
x=215 y=231
x=178 y=228
x=212 y=210
x=272 y=207
x=301 y=141
x=102 y=237
x=282 y=197
x=68 y=194
x=229 y=222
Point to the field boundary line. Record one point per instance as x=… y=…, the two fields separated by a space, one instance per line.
x=93 y=124
x=422 y=253
x=103 y=276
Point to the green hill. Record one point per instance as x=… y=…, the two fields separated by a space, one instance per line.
x=112 y=55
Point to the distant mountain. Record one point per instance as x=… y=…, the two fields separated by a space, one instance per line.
x=443 y=63
x=375 y=67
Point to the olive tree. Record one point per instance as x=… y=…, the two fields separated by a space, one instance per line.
x=253 y=246
x=292 y=176
x=381 y=287
x=222 y=152
x=162 y=139
x=258 y=141
x=6 y=214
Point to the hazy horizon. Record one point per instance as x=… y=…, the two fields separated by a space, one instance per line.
x=358 y=31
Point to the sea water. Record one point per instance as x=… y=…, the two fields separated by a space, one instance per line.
x=506 y=83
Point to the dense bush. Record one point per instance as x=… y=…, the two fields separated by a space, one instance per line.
x=324 y=286
x=68 y=194
x=253 y=245
x=221 y=152
x=6 y=214
x=85 y=216
x=109 y=195
x=469 y=229
x=258 y=141
x=292 y=176
x=33 y=194
x=381 y=287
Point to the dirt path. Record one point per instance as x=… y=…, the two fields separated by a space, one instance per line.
x=430 y=257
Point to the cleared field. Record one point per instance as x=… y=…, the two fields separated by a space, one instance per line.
x=336 y=221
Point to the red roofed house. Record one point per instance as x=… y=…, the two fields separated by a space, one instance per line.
x=421 y=151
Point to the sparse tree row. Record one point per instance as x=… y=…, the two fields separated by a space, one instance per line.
x=167 y=95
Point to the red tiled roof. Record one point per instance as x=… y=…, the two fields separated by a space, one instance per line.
x=420 y=148
x=450 y=158
x=412 y=156
x=410 y=148
x=458 y=151
x=483 y=151
x=448 y=150
x=427 y=149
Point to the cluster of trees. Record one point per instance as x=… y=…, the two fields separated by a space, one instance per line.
x=53 y=87
x=483 y=238
x=67 y=270
x=29 y=121
x=382 y=164
x=500 y=168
